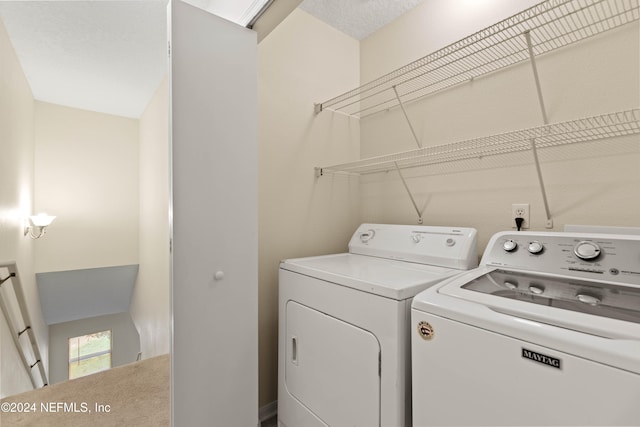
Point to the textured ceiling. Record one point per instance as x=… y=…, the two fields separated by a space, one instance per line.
x=105 y=56
x=358 y=18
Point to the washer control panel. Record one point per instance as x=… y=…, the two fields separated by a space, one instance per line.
x=607 y=257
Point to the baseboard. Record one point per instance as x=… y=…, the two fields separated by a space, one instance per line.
x=267 y=411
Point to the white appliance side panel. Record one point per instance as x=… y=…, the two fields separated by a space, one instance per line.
x=466 y=375
x=215 y=221
x=332 y=367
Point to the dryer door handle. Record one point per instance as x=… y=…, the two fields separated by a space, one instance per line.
x=294 y=349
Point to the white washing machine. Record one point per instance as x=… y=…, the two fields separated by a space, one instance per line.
x=546 y=331
x=344 y=324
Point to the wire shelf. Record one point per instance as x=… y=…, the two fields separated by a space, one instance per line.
x=570 y=132
x=552 y=24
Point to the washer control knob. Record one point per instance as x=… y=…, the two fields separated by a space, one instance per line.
x=588 y=299
x=538 y=290
x=450 y=242
x=535 y=247
x=509 y=245
x=587 y=250
x=511 y=285
x=416 y=237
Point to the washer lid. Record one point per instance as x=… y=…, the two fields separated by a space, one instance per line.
x=604 y=339
x=552 y=300
x=398 y=280
x=595 y=298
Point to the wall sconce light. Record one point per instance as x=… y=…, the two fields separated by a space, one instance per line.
x=38 y=225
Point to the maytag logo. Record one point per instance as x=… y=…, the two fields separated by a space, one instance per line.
x=542 y=358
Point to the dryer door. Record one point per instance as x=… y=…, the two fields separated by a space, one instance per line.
x=332 y=367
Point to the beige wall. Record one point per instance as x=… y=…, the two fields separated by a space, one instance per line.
x=16 y=204
x=301 y=62
x=125 y=341
x=593 y=183
x=86 y=173
x=432 y=25
x=150 y=301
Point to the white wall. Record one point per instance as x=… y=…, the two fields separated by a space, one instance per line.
x=594 y=183
x=150 y=301
x=125 y=341
x=86 y=173
x=16 y=204
x=303 y=61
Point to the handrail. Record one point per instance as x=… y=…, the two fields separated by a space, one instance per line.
x=17 y=330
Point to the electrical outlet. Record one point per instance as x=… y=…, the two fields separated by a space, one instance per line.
x=520 y=210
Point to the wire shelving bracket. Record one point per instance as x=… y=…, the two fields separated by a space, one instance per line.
x=545 y=120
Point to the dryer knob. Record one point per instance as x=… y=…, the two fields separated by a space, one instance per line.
x=587 y=250
x=509 y=245
x=535 y=247
x=367 y=235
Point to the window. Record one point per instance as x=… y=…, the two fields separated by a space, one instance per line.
x=89 y=354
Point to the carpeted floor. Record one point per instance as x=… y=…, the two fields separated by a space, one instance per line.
x=132 y=395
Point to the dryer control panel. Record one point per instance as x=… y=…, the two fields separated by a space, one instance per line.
x=605 y=257
x=452 y=247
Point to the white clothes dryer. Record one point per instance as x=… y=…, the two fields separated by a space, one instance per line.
x=546 y=331
x=344 y=343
